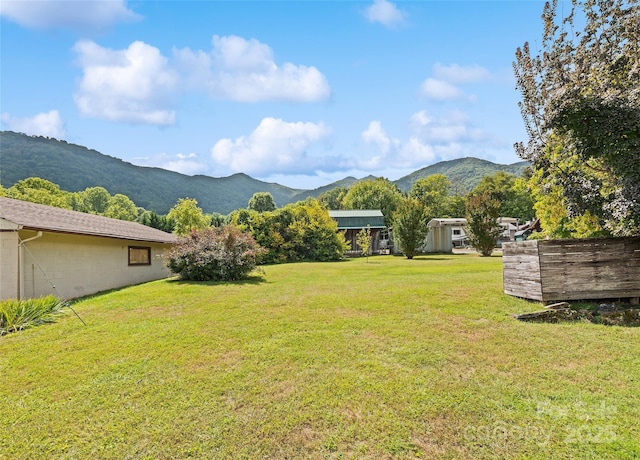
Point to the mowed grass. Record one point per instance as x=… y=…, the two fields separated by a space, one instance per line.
x=391 y=358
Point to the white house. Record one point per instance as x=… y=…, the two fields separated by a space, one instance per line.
x=46 y=250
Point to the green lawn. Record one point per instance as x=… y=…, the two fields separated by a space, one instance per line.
x=393 y=358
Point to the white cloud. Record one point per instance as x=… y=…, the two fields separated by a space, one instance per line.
x=442 y=86
x=440 y=90
x=236 y=53
x=375 y=134
x=385 y=13
x=275 y=146
x=137 y=84
x=188 y=164
x=416 y=153
x=431 y=139
x=451 y=129
x=455 y=73
x=128 y=85
x=386 y=148
x=245 y=71
x=48 y=124
x=81 y=15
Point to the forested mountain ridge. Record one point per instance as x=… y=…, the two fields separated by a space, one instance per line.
x=464 y=173
x=74 y=168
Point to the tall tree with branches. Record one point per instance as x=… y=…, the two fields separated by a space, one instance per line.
x=581 y=109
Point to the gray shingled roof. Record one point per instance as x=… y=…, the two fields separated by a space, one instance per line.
x=34 y=216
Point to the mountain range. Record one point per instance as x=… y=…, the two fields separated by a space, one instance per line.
x=74 y=168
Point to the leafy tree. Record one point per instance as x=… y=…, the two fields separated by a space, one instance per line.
x=581 y=108
x=121 y=207
x=551 y=209
x=41 y=191
x=512 y=193
x=94 y=200
x=314 y=233
x=363 y=239
x=482 y=229
x=433 y=192
x=262 y=202
x=333 y=198
x=187 y=216
x=269 y=232
x=456 y=206
x=217 y=219
x=410 y=226
x=214 y=254
x=300 y=231
x=379 y=193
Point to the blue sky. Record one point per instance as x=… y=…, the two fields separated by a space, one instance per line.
x=302 y=93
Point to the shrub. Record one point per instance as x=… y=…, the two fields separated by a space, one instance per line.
x=296 y=232
x=16 y=315
x=215 y=254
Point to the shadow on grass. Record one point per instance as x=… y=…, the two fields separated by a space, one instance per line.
x=250 y=280
x=425 y=258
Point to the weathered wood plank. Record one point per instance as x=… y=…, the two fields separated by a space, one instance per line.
x=573 y=269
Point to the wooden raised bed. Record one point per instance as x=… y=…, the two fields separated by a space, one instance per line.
x=598 y=268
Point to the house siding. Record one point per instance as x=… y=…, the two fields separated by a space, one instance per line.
x=9 y=254
x=77 y=265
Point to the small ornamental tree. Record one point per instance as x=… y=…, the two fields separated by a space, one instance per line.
x=364 y=239
x=410 y=226
x=482 y=228
x=215 y=254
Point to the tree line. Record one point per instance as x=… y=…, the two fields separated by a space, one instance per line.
x=302 y=230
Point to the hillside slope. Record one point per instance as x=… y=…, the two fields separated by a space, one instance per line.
x=464 y=173
x=74 y=168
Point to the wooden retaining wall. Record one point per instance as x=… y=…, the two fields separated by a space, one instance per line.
x=598 y=268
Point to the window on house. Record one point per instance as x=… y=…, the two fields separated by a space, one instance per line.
x=456 y=232
x=139 y=255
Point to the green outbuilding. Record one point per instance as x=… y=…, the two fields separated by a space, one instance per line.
x=351 y=222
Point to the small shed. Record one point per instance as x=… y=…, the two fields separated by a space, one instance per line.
x=441 y=234
x=46 y=250
x=351 y=222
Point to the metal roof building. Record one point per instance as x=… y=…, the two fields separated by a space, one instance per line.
x=358 y=219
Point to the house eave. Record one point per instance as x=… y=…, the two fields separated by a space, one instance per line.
x=98 y=235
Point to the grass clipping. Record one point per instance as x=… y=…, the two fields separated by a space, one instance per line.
x=17 y=315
